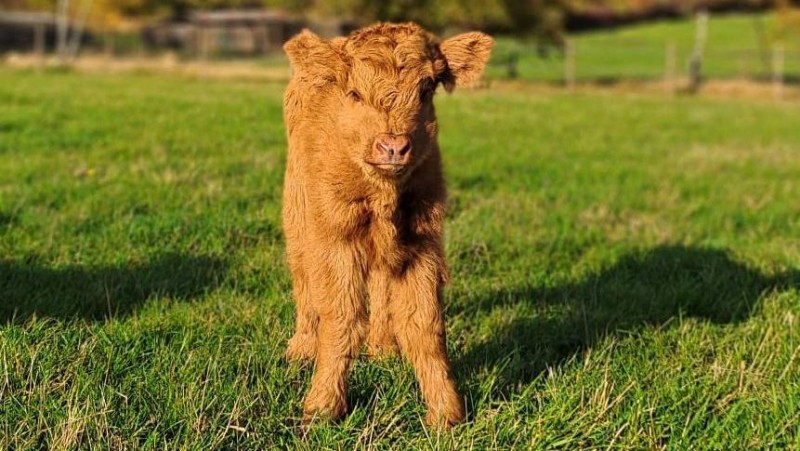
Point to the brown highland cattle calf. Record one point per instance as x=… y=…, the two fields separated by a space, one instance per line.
x=364 y=202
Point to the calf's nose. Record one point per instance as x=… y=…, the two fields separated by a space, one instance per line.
x=391 y=149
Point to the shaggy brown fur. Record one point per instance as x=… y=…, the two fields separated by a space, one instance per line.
x=364 y=201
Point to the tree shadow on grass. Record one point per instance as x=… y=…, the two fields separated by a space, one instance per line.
x=550 y=325
x=100 y=293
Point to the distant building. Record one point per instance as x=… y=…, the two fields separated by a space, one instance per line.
x=225 y=32
x=234 y=32
x=26 y=31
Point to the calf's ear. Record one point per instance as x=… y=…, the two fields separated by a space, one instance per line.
x=313 y=57
x=466 y=55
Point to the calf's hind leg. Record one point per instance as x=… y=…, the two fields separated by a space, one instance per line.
x=380 y=338
x=303 y=345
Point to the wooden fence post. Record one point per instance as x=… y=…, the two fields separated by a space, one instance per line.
x=80 y=24
x=39 y=42
x=696 y=61
x=109 y=45
x=512 y=69
x=778 y=56
x=670 y=63
x=62 y=30
x=569 y=64
x=203 y=43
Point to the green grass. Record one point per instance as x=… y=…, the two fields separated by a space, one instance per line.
x=735 y=49
x=626 y=272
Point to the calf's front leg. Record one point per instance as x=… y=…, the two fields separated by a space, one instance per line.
x=338 y=294
x=419 y=327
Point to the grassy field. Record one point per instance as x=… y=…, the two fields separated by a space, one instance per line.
x=738 y=46
x=626 y=272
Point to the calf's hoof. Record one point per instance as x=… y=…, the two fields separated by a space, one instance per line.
x=450 y=413
x=323 y=407
x=301 y=347
x=443 y=420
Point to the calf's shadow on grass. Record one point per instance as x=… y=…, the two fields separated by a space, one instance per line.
x=550 y=325
x=100 y=293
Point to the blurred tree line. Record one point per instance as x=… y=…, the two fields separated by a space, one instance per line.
x=543 y=20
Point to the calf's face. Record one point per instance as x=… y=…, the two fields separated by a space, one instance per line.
x=374 y=90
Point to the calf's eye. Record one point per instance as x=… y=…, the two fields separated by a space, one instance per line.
x=354 y=96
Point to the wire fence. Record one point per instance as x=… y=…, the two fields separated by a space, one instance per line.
x=736 y=49
x=646 y=61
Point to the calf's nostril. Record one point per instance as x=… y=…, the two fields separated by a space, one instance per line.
x=386 y=147
x=403 y=147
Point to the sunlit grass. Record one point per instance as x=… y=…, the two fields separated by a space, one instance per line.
x=625 y=272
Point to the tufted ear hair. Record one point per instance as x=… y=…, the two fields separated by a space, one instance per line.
x=312 y=57
x=466 y=55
